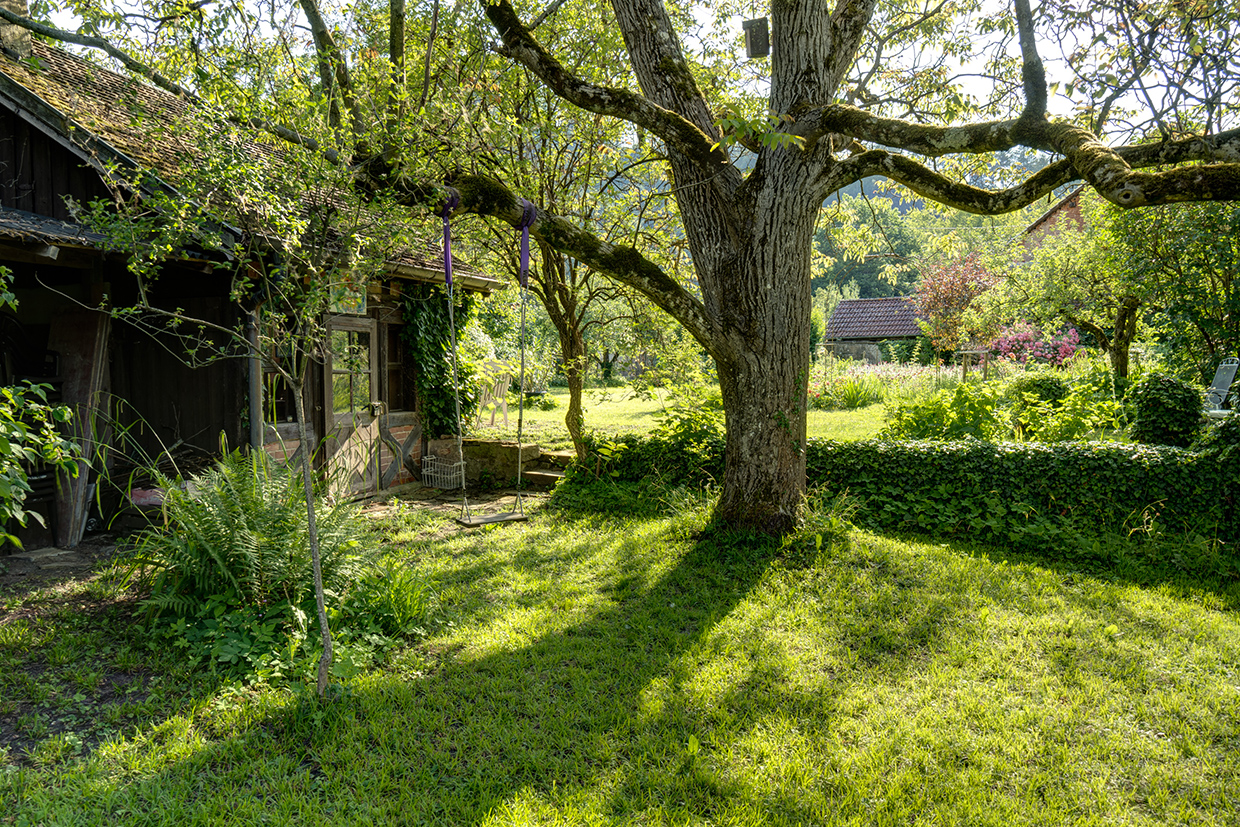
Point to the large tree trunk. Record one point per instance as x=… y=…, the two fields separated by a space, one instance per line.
x=574 y=372
x=764 y=367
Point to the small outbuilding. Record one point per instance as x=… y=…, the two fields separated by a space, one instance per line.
x=857 y=326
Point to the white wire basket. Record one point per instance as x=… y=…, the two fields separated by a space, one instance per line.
x=441 y=473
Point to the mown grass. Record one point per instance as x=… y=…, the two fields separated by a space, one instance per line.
x=607 y=663
x=612 y=411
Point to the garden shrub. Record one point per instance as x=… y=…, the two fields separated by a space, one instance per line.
x=1044 y=408
x=231 y=579
x=239 y=529
x=1165 y=411
x=964 y=411
x=1047 y=498
x=1220 y=435
x=1059 y=501
x=1026 y=344
x=685 y=449
x=1043 y=387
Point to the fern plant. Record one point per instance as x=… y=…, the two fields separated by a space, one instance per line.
x=238 y=533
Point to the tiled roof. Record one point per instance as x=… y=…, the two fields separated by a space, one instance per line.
x=889 y=318
x=149 y=127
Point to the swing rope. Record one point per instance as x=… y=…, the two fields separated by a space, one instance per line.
x=458 y=467
x=529 y=212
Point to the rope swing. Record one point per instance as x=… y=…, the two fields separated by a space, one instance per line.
x=454 y=475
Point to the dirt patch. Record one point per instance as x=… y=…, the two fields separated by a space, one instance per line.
x=25 y=571
x=47 y=717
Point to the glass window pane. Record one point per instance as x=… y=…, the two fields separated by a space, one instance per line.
x=342 y=397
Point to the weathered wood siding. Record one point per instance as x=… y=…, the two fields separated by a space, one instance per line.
x=36 y=173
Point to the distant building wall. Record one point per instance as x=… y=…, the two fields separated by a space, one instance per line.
x=867 y=352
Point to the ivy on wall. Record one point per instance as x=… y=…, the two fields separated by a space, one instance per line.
x=428 y=345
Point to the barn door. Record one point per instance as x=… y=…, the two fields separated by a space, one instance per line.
x=351 y=405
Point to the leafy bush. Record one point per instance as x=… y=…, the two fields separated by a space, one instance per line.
x=1219 y=436
x=1043 y=387
x=231 y=577
x=965 y=411
x=685 y=449
x=1044 y=408
x=1165 y=411
x=238 y=531
x=1048 y=498
x=28 y=438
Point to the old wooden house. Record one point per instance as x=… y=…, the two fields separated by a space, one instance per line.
x=66 y=125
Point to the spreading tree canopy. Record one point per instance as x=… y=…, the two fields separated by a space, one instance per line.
x=852 y=89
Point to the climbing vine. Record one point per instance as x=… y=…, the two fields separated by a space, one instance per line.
x=428 y=344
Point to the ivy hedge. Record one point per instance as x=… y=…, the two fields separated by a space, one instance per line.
x=1032 y=495
x=1044 y=497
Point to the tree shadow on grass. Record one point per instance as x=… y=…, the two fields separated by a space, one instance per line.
x=602 y=711
x=1186 y=566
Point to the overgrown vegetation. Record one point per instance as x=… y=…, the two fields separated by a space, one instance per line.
x=29 y=439
x=1166 y=411
x=427 y=337
x=1038 y=406
x=230 y=579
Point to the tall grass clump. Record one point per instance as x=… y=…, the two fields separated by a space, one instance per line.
x=846 y=384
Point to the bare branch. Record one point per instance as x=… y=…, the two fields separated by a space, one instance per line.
x=141 y=69
x=547 y=12
x=128 y=61
x=1033 y=74
x=679 y=133
x=333 y=70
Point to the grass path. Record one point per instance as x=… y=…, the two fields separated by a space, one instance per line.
x=616 y=410
x=605 y=669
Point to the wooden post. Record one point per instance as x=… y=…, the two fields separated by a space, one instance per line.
x=81 y=339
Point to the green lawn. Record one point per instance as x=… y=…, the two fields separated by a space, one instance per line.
x=612 y=667
x=617 y=410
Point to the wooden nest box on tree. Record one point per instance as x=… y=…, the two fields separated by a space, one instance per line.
x=757 y=38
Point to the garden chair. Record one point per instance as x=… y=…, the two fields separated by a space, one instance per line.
x=1219 y=388
x=497 y=378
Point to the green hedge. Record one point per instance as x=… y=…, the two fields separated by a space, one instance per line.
x=1031 y=496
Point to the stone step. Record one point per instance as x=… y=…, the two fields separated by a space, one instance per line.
x=558 y=458
x=542 y=478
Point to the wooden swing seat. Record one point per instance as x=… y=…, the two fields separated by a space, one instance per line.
x=474 y=521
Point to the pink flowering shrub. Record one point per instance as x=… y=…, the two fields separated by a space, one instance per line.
x=1024 y=343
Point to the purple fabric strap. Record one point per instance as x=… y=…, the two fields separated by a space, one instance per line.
x=528 y=213
x=450 y=203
